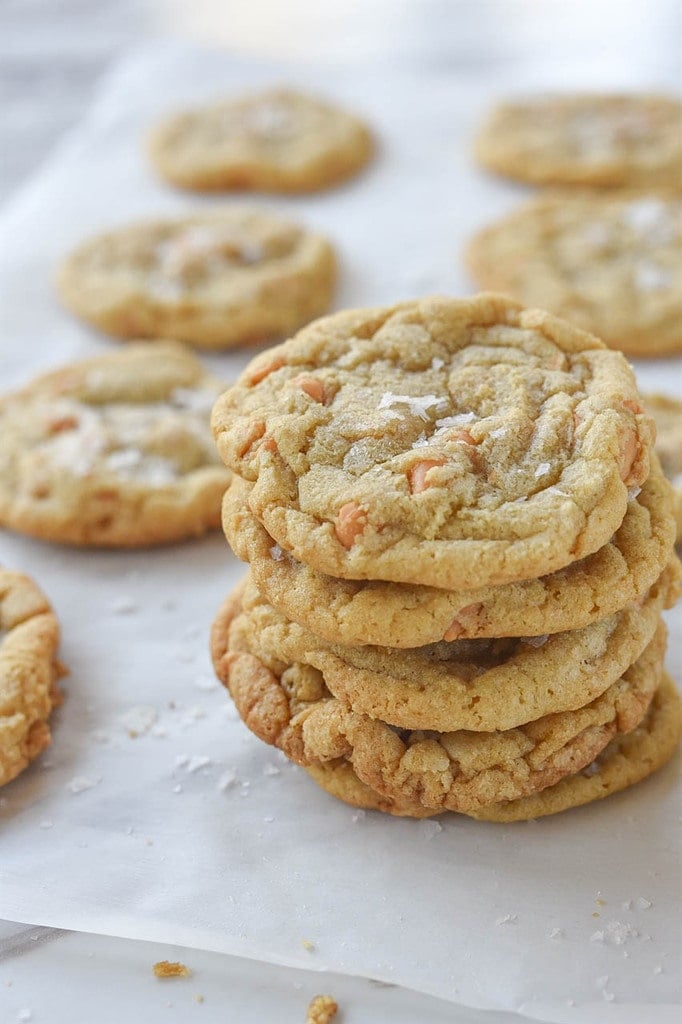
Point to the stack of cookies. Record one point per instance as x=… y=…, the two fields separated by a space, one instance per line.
x=460 y=545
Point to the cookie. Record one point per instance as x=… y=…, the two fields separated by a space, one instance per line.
x=628 y=759
x=609 y=263
x=438 y=442
x=275 y=141
x=667 y=413
x=357 y=612
x=339 y=780
x=478 y=685
x=290 y=706
x=29 y=672
x=219 y=279
x=113 y=451
x=586 y=139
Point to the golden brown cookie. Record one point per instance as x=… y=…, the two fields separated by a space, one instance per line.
x=358 y=612
x=586 y=139
x=290 y=706
x=667 y=413
x=628 y=759
x=113 y=451
x=227 y=277
x=479 y=685
x=610 y=263
x=29 y=671
x=278 y=140
x=438 y=442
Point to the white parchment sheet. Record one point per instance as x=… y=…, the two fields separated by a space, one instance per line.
x=191 y=831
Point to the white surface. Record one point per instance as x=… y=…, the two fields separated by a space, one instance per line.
x=271 y=861
x=91 y=979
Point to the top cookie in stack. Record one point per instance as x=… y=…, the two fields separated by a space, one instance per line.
x=414 y=476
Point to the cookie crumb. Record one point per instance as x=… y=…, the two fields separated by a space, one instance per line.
x=321 y=1010
x=198 y=998
x=307 y=944
x=171 y=969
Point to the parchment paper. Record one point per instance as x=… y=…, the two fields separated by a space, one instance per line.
x=155 y=814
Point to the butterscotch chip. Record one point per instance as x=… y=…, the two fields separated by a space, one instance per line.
x=322 y=1010
x=219 y=279
x=113 y=451
x=558 y=439
x=290 y=706
x=610 y=263
x=358 y=612
x=627 y=760
x=29 y=672
x=278 y=140
x=667 y=413
x=586 y=139
x=171 y=969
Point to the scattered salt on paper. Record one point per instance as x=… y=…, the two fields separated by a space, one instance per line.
x=429 y=829
x=138 y=720
x=227 y=780
x=80 y=783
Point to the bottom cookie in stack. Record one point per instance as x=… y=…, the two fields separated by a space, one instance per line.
x=626 y=760
x=486 y=728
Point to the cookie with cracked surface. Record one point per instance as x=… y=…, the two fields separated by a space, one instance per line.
x=438 y=442
x=29 y=672
x=586 y=139
x=667 y=413
x=478 y=685
x=278 y=140
x=628 y=759
x=289 y=705
x=114 y=451
x=219 y=279
x=358 y=612
x=609 y=263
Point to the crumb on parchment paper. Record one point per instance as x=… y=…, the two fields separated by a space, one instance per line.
x=321 y=1010
x=171 y=969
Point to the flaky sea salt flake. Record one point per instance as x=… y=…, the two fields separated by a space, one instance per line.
x=227 y=780
x=80 y=783
x=429 y=829
x=420 y=405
